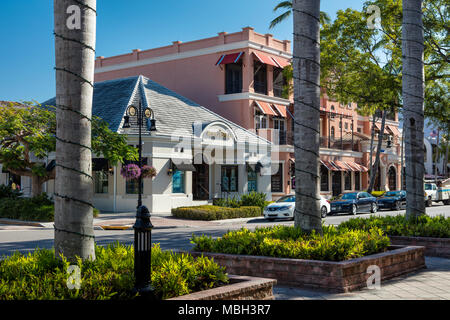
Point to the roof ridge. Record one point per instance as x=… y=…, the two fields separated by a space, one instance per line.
x=118 y=79
x=208 y=110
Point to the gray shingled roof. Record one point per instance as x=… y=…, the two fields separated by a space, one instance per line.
x=174 y=114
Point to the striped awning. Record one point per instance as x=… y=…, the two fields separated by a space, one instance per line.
x=265 y=108
x=281 y=62
x=265 y=59
x=378 y=126
x=229 y=58
x=282 y=110
x=347 y=166
x=329 y=165
x=393 y=130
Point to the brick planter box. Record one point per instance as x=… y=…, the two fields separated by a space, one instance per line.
x=434 y=247
x=239 y=288
x=331 y=276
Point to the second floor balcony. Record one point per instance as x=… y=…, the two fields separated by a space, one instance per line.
x=286 y=138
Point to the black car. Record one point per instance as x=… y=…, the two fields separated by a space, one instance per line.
x=354 y=202
x=394 y=200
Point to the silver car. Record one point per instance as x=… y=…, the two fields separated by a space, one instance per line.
x=284 y=208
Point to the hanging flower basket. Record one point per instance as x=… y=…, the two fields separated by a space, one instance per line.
x=148 y=172
x=130 y=171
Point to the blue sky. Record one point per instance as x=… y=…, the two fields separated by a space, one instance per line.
x=26 y=32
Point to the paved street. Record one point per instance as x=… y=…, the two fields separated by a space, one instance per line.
x=171 y=233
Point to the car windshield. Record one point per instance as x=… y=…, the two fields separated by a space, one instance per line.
x=287 y=199
x=428 y=186
x=392 y=194
x=348 y=196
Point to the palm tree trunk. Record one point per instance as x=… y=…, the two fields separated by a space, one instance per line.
x=372 y=138
x=307 y=113
x=374 y=170
x=403 y=158
x=75 y=28
x=413 y=102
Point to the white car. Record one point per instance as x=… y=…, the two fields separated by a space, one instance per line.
x=284 y=208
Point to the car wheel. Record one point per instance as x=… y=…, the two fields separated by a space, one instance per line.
x=354 y=210
x=397 y=206
x=323 y=212
x=429 y=202
x=373 y=208
x=446 y=202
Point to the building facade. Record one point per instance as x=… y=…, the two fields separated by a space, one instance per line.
x=198 y=155
x=240 y=77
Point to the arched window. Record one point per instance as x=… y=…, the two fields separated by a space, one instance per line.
x=392 y=174
x=332 y=132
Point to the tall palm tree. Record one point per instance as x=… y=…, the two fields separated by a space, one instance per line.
x=306 y=62
x=413 y=103
x=287 y=5
x=75 y=28
x=374 y=167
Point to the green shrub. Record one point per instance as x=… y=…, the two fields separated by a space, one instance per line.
x=425 y=226
x=209 y=213
x=8 y=192
x=257 y=199
x=39 y=208
x=39 y=275
x=252 y=199
x=291 y=242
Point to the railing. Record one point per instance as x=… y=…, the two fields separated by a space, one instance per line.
x=278 y=91
x=337 y=143
x=287 y=138
x=260 y=87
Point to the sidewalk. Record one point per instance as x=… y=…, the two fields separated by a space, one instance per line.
x=432 y=283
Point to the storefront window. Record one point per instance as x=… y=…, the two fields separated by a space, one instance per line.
x=357 y=181
x=132 y=186
x=100 y=173
x=324 y=178
x=252 y=180
x=178 y=178
x=229 y=178
x=277 y=179
x=100 y=182
x=348 y=181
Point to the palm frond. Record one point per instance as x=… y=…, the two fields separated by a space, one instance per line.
x=283 y=5
x=280 y=19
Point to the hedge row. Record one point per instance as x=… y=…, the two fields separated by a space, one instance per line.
x=425 y=226
x=39 y=208
x=291 y=242
x=41 y=276
x=209 y=213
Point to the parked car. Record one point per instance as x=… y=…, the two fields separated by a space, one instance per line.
x=354 y=202
x=285 y=206
x=394 y=200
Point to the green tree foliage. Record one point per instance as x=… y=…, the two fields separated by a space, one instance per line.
x=27 y=137
x=364 y=65
x=287 y=5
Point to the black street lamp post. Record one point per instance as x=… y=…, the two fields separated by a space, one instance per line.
x=143 y=226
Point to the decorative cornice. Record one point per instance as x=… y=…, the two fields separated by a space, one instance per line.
x=195 y=53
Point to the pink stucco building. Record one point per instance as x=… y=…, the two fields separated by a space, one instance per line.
x=239 y=76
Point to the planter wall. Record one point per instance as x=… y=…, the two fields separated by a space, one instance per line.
x=240 y=288
x=434 y=247
x=342 y=276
